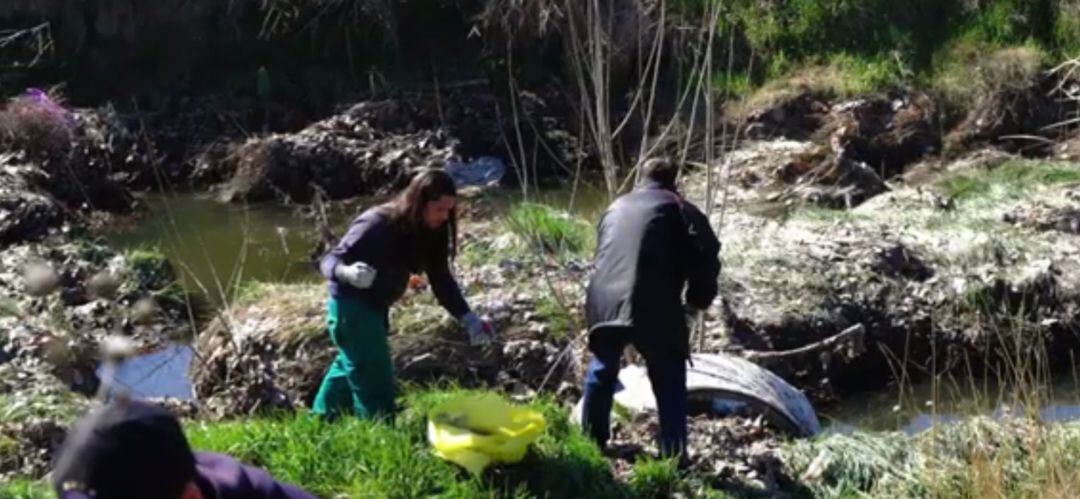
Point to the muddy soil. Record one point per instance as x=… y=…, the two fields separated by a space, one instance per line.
x=1017 y=113
x=731 y=453
x=373 y=147
x=834 y=154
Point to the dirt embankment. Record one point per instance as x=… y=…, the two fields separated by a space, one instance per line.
x=843 y=152
x=63 y=166
x=975 y=270
x=374 y=146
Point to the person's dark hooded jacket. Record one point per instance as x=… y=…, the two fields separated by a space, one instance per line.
x=656 y=253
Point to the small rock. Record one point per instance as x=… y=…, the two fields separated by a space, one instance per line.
x=40 y=279
x=103 y=285
x=144 y=311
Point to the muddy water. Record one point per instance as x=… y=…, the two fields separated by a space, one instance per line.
x=212 y=246
x=919 y=407
x=215 y=248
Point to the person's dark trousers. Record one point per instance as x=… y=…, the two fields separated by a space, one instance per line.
x=667 y=374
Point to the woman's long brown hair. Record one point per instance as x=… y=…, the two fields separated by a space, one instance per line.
x=407 y=209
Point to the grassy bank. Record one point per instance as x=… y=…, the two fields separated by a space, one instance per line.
x=868 y=45
x=352 y=458
x=355 y=458
x=532 y=231
x=977 y=458
x=363 y=459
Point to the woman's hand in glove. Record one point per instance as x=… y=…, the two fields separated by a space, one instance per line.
x=481 y=332
x=358 y=275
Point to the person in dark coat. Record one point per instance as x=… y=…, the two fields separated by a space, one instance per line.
x=368 y=270
x=130 y=449
x=657 y=259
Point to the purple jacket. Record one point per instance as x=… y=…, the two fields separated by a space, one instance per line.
x=374 y=240
x=222 y=477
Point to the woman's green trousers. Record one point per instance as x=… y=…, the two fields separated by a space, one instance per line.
x=361 y=378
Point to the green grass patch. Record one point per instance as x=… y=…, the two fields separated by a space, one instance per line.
x=558 y=317
x=655 y=477
x=979 y=298
x=9 y=308
x=969 y=68
x=549 y=231
x=855 y=75
x=823 y=214
x=966 y=187
x=154 y=274
x=733 y=85
x=1014 y=21
x=840 y=75
x=354 y=458
x=1067 y=30
x=53 y=402
x=1009 y=181
x=481 y=251
x=875 y=44
x=860 y=463
x=25 y=489
x=846 y=75
x=249 y=292
x=529 y=230
x=48 y=398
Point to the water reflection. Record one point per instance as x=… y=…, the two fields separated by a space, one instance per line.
x=214 y=246
x=923 y=406
x=164 y=373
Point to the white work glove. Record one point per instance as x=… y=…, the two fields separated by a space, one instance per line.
x=480 y=331
x=358 y=275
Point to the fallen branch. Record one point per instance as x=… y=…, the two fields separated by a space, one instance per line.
x=39 y=36
x=851 y=341
x=7 y=37
x=1033 y=138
